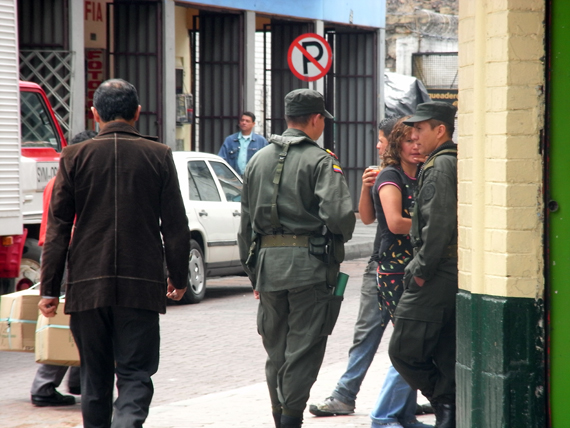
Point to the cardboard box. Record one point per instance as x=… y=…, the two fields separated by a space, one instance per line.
x=18 y=317
x=54 y=341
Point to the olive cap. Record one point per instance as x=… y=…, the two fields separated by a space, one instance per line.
x=305 y=101
x=438 y=110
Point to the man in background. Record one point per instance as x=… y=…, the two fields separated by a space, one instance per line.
x=238 y=148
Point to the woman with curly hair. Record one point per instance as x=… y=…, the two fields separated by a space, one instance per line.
x=393 y=200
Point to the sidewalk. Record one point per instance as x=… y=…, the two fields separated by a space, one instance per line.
x=211 y=371
x=362 y=241
x=248 y=407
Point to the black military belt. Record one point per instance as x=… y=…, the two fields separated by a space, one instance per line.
x=449 y=253
x=270 y=241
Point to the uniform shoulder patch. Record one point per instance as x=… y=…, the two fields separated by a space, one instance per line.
x=331 y=153
x=337 y=168
x=428 y=192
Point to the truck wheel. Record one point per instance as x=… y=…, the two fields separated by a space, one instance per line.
x=196 y=275
x=30 y=265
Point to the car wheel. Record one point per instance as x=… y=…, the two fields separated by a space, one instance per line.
x=196 y=275
x=29 y=265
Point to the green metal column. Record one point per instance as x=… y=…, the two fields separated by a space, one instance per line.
x=559 y=217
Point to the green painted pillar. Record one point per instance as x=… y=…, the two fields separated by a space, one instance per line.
x=559 y=217
x=500 y=362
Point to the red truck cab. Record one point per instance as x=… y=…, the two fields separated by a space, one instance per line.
x=41 y=135
x=41 y=142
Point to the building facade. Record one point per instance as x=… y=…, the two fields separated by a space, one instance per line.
x=421 y=41
x=194 y=62
x=502 y=356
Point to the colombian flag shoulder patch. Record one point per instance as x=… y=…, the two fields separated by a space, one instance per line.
x=337 y=168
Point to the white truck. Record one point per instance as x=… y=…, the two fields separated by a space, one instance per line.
x=30 y=142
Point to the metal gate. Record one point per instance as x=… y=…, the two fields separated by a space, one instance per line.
x=352 y=99
x=217 y=72
x=283 y=80
x=44 y=52
x=134 y=44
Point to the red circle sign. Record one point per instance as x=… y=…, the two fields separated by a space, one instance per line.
x=309 y=57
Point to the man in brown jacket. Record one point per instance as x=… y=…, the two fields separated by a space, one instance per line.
x=122 y=190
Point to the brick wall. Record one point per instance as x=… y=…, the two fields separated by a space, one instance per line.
x=500 y=313
x=501 y=110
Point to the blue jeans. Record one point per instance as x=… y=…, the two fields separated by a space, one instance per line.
x=396 y=402
x=368 y=332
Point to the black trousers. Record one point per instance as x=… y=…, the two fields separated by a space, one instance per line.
x=125 y=341
x=423 y=343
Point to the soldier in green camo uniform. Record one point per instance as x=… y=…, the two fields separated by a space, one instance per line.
x=296 y=216
x=422 y=347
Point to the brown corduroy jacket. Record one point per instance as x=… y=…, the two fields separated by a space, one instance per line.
x=123 y=190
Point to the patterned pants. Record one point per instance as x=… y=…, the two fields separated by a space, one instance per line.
x=390 y=289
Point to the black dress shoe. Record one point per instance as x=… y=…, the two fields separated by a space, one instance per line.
x=445 y=415
x=54 y=400
x=75 y=390
x=291 y=422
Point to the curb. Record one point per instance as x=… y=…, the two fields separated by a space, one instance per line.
x=358 y=250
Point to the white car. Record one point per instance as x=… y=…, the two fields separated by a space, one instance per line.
x=211 y=190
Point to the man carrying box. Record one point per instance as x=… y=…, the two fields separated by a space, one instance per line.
x=49 y=376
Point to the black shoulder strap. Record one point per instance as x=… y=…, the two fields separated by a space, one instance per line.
x=275 y=223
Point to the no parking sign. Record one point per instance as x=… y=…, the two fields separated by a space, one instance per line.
x=309 y=57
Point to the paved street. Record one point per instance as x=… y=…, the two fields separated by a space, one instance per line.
x=212 y=367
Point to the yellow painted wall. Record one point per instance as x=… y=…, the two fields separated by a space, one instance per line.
x=501 y=111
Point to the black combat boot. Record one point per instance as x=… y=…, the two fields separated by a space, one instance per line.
x=291 y=422
x=445 y=415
